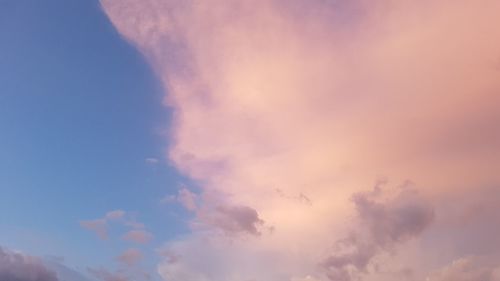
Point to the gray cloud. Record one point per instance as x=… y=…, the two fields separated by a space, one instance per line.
x=233 y=219
x=20 y=267
x=383 y=225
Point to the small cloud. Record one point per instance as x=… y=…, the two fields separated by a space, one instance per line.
x=114 y=215
x=130 y=257
x=168 y=199
x=99 y=226
x=233 y=219
x=134 y=224
x=138 y=236
x=152 y=161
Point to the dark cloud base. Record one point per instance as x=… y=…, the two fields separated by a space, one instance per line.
x=20 y=267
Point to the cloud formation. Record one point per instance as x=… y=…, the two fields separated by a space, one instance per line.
x=383 y=225
x=19 y=267
x=100 y=226
x=115 y=215
x=320 y=98
x=130 y=257
x=232 y=219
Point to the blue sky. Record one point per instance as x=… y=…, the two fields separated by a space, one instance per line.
x=80 y=111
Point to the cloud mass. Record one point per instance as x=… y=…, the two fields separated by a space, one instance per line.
x=19 y=267
x=317 y=99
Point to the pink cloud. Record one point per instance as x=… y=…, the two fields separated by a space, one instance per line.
x=320 y=98
x=138 y=236
x=467 y=269
x=99 y=226
x=383 y=225
x=130 y=257
x=187 y=199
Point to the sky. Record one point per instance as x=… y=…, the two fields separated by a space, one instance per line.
x=239 y=140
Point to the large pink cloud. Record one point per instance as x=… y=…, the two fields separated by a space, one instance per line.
x=285 y=109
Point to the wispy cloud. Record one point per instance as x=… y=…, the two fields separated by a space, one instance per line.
x=138 y=236
x=152 y=161
x=130 y=257
x=100 y=226
x=106 y=275
x=467 y=269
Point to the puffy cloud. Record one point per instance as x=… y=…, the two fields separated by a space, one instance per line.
x=138 y=236
x=232 y=219
x=382 y=226
x=19 y=267
x=319 y=98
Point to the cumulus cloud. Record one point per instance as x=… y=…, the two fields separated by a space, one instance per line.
x=319 y=98
x=138 y=236
x=19 y=267
x=382 y=226
x=232 y=219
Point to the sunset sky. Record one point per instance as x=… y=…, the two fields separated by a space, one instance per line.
x=249 y=140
